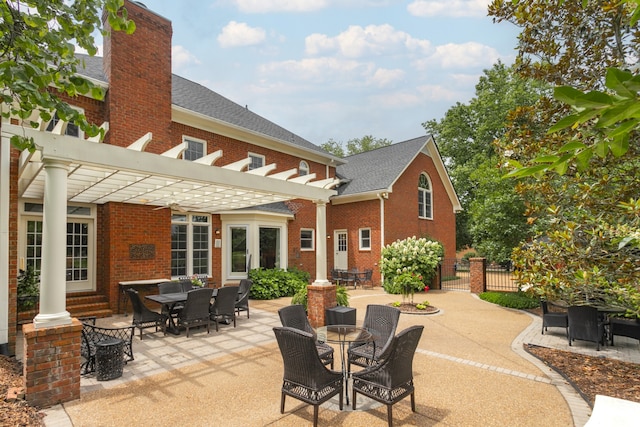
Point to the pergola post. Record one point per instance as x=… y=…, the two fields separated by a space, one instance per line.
x=321 y=294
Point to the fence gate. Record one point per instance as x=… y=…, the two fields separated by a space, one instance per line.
x=454 y=274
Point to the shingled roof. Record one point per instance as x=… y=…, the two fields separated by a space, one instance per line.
x=202 y=100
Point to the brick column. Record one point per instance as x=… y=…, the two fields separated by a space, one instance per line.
x=319 y=298
x=477 y=275
x=51 y=363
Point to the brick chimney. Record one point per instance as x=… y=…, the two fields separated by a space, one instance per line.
x=138 y=68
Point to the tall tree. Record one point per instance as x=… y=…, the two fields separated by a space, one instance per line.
x=466 y=137
x=355 y=145
x=37 y=53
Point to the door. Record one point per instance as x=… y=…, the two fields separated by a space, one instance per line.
x=238 y=261
x=341 y=254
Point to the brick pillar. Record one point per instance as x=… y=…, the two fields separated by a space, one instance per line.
x=52 y=363
x=477 y=275
x=319 y=298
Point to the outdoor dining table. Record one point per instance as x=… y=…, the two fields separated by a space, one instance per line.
x=343 y=335
x=169 y=301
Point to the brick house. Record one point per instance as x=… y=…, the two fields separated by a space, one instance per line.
x=187 y=182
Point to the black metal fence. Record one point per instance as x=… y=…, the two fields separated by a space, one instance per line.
x=455 y=275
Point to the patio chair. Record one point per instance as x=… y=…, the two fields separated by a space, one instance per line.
x=93 y=335
x=143 y=317
x=196 y=309
x=294 y=316
x=224 y=306
x=367 y=277
x=305 y=376
x=624 y=327
x=242 y=298
x=171 y=288
x=392 y=380
x=553 y=319
x=347 y=278
x=185 y=284
x=383 y=321
x=585 y=324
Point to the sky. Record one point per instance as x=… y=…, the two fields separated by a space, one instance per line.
x=338 y=69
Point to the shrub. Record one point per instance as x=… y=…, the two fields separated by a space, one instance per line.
x=412 y=255
x=518 y=300
x=342 y=297
x=28 y=288
x=276 y=283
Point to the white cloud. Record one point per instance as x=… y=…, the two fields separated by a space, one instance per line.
x=240 y=34
x=384 y=77
x=453 y=8
x=464 y=55
x=266 y=6
x=359 y=41
x=181 y=57
x=315 y=69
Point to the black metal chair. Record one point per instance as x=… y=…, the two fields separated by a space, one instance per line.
x=242 y=298
x=347 y=278
x=294 y=316
x=224 y=306
x=196 y=309
x=553 y=319
x=171 y=288
x=367 y=277
x=305 y=376
x=144 y=317
x=585 y=324
x=391 y=380
x=383 y=321
x=624 y=327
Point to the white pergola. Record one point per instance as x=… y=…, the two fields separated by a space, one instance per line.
x=66 y=169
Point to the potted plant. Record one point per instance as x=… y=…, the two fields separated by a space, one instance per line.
x=28 y=289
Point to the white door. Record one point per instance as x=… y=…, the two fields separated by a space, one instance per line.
x=340 y=252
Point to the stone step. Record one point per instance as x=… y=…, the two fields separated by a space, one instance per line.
x=78 y=305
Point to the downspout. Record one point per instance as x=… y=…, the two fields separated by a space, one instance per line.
x=5 y=164
x=382 y=196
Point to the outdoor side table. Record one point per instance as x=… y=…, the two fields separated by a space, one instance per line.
x=340 y=315
x=109 y=359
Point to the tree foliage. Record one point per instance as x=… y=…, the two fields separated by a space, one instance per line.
x=579 y=175
x=38 y=39
x=355 y=145
x=466 y=139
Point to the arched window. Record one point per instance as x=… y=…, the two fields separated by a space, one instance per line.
x=303 y=169
x=425 y=197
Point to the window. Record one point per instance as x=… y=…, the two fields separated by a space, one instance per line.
x=303 y=169
x=195 y=149
x=306 y=239
x=365 y=239
x=269 y=247
x=190 y=244
x=424 y=197
x=257 y=161
x=72 y=129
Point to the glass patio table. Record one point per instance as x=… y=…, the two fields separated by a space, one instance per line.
x=343 y=335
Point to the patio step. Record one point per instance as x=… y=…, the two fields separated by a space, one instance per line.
x=78 y=305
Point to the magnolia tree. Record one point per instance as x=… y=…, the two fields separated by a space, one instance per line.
x=415 y=259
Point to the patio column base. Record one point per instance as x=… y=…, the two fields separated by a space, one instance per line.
x=319 y=298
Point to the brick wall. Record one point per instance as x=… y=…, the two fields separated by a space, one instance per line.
x=319 y=298
x=477 y=275
x=51 y=364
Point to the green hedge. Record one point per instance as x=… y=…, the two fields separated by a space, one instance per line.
x=518 y=300
x=276 y=283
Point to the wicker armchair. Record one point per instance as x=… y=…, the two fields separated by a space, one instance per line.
x=224 y=306
x=294 y=316
x=305 y=376
x=144 y=317
x=242 y=299
x=554 y=320
x=171 y=288
x=585 y=324
x=196 y=309
x=392 y=380
x=383 y=320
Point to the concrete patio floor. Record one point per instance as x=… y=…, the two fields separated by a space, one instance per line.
x=469 y=370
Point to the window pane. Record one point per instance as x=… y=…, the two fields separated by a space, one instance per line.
x=77 y=251
x=306 y=239
x=269 y=247
x=238 y=250
x=200 y=250
x=34 y=245
x=178 y=250
x=195 y=150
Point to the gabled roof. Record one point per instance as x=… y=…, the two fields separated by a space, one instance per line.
x=203 y=101
x=375 y=171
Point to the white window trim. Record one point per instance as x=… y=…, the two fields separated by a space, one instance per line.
x=313 y=240
x=258 y=156
x=190 y=223
x=360 y=239
x=430 y=193
x=80 y=131
x=186 y=138
x=303 y=167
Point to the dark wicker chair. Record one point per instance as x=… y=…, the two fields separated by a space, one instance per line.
x=585 y=324
x=383 y=321
x=553 y=319
x=624 y=327
x=305 y=376
x=242 y=298
x=224 y=306
x=294 y=316
x=392 y=380
x=171 y=288
x=196 y=309
x=143 y=317
x=367 y=277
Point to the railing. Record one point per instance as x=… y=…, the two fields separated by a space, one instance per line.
x=455 y=276
x=499 y=277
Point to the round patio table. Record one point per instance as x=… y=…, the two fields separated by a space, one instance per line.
x=343 y=335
